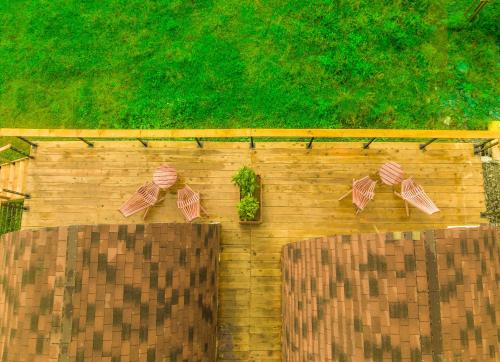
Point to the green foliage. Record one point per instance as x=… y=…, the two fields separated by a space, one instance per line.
x=246 y=180
x=10 y=216
x=248 y=207
x=234 y=63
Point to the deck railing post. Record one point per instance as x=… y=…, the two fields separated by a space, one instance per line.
x=367 y=145
x=252 y=144
x=34 y=145
x=310 y=144
x=17 y=193
x=479 y=150
x=199 y=143
x=478 y=146
x=481 y=145
x=21 y=152
x=424 y=145
x=90 y=144
x=144 y=143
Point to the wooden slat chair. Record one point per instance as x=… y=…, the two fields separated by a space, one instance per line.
x=144 y=198
x=362 y=192
x=188 y=201
x=413 y=194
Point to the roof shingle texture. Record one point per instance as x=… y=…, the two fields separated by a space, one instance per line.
x=109 y=292
x=394 y=296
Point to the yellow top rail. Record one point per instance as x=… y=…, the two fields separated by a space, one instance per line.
x=248 y=132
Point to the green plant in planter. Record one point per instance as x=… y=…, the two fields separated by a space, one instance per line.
x=248 y=207
x=246 y=179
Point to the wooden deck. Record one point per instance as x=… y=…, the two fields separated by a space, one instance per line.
x=73 y=184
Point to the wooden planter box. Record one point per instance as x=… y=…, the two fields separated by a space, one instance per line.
x=258 y=195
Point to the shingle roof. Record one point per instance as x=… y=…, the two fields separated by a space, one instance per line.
x=143 y=292
x=392 y=296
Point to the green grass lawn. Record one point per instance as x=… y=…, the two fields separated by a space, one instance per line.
x=239 y=63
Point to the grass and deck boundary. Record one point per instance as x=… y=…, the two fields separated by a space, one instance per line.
x=483 y=140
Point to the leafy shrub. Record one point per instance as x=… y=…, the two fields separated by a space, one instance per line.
x=246 y=179
x=248 y=207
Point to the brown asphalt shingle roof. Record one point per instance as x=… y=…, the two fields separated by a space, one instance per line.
x=129 y=292
x=394 y=296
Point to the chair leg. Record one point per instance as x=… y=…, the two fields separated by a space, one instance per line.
x=406 y=203
x=147 y=210
x=146 y=213
x=201 y=207
x=345 y=195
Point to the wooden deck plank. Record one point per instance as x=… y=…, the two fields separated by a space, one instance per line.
x=72 y=184
x=21 y=175
x=12 y=175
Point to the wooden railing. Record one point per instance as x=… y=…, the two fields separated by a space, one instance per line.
x=248 y=132
x=17 y=150
x=483 y=139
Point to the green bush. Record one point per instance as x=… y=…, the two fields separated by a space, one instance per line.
x=246 y=180
x=248 y=207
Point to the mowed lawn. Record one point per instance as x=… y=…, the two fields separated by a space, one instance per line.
x=239 y=63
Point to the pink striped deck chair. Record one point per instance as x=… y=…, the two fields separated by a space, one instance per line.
x=144 y=198
x=413 y=194
x=362 y=192
x=188 y=201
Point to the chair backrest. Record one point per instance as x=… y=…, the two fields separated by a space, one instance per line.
x=149 y=192
x=365 y=186
x=409 y=188
x=186 y=194
x=145 y=197
x=415 y=195
x=363 y=191
x=188 y=201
